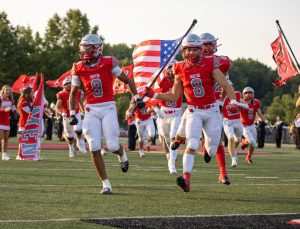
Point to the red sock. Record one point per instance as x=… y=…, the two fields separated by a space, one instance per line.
x=187 y=177
x=204 y=149
x=248 y=156
x=221 y=160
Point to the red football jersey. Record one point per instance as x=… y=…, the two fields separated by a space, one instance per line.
x=166 y=86
x=248 y=115
x=5 y=116
x=226 y=113
x=197 y=80
x=97 y=81
x=23 y=115
x=224 y=67
x=64 y=96
x=141 y=114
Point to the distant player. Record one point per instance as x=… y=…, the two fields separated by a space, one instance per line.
x=62 y=109
x=248 y=117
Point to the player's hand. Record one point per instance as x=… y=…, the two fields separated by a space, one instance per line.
x=158 y=112
x=148 y=91
x=140 y=103
x=233 y=108
x=63 y=114
x=73 y=120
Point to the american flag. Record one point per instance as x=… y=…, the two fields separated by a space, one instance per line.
x=149 y=57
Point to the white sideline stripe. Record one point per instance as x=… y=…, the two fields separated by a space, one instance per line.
x=294 y=180
x=138 y=217
x=261 y=177
x=134 y=185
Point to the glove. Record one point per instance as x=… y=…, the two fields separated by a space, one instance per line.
x=73 y=120
x=233 y=108
x=149 y=92
x=140 y=103
x=63 y=114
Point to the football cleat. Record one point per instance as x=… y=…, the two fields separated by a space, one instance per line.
x=124 y=166
x=224 y=180
x=249 y=161
x=233 y=162
x=5 y=157
x=174 y=145
x=142 y=153
x=206 y=157
x=181 y=182
x=106 y=191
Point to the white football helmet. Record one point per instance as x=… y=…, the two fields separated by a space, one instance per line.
x=67 y=80
x=208 y=38
x=90 y=47
x=191 y=40
x=248 y=93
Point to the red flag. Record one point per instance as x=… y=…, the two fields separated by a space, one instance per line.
x=30 y=139
x=58 y=82
x=119 y=87
x=283 y=61
x=24 y=81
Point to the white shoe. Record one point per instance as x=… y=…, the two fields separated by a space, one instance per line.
x=5 y=157
x=81 y=146
x=71 y=151
x=103 y=152
x=233 y=162
x=172 y=168
x=18 y=157
x=142 y=154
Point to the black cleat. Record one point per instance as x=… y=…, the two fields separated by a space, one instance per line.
x=124 y=166
x=225 y=180
x=206 y=157
x=181 y=182
x=106 y=191
x=174 y=145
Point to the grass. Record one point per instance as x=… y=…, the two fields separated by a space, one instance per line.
x=61 y=188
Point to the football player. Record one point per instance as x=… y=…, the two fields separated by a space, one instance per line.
x=96 y=73
x=62 y=109
x=195 y=76
x=248 y=117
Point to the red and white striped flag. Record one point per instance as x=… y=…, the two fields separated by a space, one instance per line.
x=30 y=139
x=148 y=58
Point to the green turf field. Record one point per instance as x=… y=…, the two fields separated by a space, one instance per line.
x=57 y=192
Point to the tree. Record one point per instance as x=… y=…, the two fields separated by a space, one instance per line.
x=283 y=106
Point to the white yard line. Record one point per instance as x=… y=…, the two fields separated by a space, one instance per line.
x=261 y=177
x=137 y=217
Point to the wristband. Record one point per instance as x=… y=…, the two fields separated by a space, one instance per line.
x=136 y=97
x=155 y=96
x=72 y=112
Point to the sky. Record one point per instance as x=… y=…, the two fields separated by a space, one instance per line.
x=245 y=28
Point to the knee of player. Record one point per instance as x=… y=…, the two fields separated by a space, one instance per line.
x=112 y=146
x=192 y=143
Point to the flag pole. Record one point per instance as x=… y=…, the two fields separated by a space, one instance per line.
x=169 y=58
x=298 y=66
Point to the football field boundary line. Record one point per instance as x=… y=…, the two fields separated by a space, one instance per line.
x=140 y=217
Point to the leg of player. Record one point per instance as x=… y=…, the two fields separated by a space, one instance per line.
x=100 y=167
